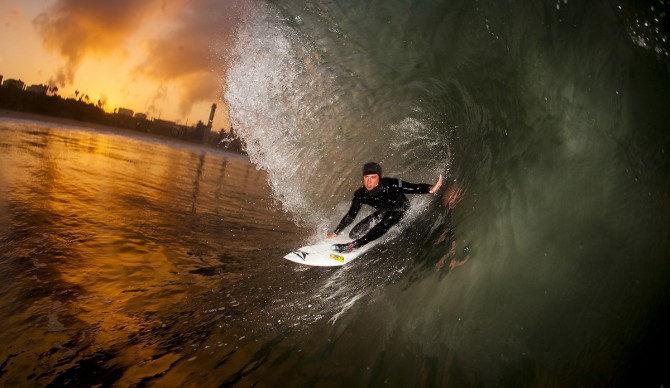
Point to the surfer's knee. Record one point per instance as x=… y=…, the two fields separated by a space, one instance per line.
x=393 y=217
x=357 y=232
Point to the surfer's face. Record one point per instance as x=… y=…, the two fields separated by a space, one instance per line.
x=370 y=181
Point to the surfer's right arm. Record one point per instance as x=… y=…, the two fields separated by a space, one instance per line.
x=349 y=217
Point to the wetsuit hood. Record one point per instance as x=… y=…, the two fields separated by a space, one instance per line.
x=372 y=168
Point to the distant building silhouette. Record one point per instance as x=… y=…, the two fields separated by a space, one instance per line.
x=37 y=89
x=211 y=116
x=125 y=112
x=14 y=83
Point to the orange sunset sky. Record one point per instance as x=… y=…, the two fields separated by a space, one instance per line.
x=163 y=58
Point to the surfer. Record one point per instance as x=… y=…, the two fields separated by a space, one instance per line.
x=387 y=196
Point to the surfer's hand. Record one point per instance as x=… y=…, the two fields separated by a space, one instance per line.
x=332 y=235
x=436 y=186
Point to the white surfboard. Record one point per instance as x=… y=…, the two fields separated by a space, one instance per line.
x=322 y=255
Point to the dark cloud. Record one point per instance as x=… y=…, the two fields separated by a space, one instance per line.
x=76 y=29
x=191 y=55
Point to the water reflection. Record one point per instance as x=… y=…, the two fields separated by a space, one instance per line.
x=114 y=249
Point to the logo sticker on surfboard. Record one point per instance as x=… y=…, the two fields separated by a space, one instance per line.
x=301 y=254
x=337 y=257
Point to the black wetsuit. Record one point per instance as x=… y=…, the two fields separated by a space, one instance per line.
x=389 y=200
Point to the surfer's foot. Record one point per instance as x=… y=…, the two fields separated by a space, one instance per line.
x=344 y=248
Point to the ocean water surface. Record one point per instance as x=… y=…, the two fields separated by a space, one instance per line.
x=122 y=257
